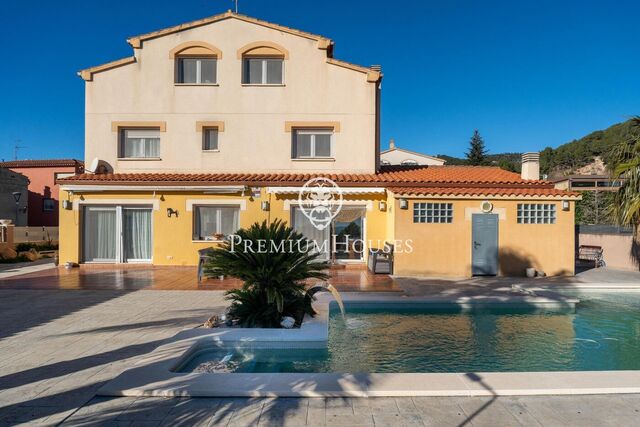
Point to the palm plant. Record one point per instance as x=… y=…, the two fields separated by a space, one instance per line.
x=273 y=261
x=625 y=163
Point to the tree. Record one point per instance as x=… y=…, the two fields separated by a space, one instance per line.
x=624 y=162
x=477 y=154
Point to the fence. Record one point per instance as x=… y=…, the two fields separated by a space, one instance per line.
x=35 y=234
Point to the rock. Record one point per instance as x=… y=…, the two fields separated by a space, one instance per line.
x=7 y=253
x=540 y=273
x=287 y=322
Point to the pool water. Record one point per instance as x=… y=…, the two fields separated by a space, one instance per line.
x=603 y=333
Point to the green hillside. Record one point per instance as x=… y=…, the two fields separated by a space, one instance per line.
x=567 y=157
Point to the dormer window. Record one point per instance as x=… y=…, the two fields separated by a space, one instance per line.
x=196 y=63
x=263 y=64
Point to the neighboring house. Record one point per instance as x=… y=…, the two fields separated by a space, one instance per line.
x=400 y=156
x=13 y=196
x=216 y=124
x=43 y=189
x=588 y=183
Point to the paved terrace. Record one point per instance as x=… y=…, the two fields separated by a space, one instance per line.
x=59 y=346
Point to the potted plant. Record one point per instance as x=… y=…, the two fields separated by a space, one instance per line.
x=273 y=280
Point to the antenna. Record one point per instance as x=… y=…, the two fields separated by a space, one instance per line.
x=16 y=148
x=236 y=2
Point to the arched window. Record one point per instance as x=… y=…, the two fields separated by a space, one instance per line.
x=263 y=63
x=409 y=162
x=196 y=63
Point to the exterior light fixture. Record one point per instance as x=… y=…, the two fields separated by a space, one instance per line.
x=382 y=205
x=565 y=205
x=171 y=212
x=404 y=204
x=16 y=196
x=265 y=206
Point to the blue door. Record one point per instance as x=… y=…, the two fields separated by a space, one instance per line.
x=484 y=245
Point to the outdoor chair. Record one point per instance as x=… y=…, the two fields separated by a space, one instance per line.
x=381 y=260
x=203 y=254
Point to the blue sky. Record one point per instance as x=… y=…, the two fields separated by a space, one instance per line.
x=527 y=74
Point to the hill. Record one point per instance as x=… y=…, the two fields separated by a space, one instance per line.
x=568 y=158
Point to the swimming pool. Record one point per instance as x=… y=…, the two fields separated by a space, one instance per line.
x=603 y=333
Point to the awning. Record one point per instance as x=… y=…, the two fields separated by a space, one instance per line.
x=343 y=190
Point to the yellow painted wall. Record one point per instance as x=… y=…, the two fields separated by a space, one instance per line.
x=172 y=243
x=445 y=249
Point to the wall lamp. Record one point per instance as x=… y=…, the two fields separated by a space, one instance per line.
x=404 y=204
x=265 y=206
x=565 y=205
x=171 y=212
x=382 y=205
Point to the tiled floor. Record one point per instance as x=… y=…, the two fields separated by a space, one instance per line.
x=111 y=277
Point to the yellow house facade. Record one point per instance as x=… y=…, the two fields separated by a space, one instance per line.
x=216 y=124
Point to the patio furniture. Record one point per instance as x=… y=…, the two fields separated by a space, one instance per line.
x=381 y=261
x=203 y=254
x=592 y=253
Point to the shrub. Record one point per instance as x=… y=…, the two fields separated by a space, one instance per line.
x=273 y=279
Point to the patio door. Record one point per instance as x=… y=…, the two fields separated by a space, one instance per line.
x=348 y=229
x=117 y=234
x=303 y=225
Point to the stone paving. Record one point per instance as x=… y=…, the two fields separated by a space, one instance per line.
x=57 y=347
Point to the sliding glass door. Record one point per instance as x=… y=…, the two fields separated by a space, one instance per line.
x=303 y=225
x=115 y=234
x=348 y=228
x=100 y=234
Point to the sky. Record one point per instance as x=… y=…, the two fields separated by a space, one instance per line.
x=526 y=74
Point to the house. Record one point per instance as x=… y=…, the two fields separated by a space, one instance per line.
x=588 y=183
x=42 y=202
x=218 y=123
x=13 y=196
x=400 y=156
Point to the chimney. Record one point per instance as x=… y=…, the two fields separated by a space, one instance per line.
x=392 y=144
x=530 y=166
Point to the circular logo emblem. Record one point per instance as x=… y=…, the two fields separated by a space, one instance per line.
x=320 y=200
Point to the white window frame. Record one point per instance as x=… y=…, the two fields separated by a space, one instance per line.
x=263 y=81
x=313 y=133
x=421 y=213
x=122 y=137
x=534 y=213
x=205 y=130
x=195 y=234
x=198 y=81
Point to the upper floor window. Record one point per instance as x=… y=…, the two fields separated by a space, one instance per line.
x=210 y=139
x=196 y=63
x=263 y=63
x=263 y=71
x=312 y=143
x=196 y=70
x=139 y=143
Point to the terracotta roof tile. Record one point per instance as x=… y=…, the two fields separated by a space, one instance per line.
x=41 y=163
x=482 y=191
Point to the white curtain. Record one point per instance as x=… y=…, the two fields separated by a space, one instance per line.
x=141 y=143
x=100 y=235
x=211 y=220
x=137 y=233
x=303 y=225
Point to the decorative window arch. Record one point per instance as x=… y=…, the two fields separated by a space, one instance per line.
x=195 y=48
x=263 y=49
x=195 y=63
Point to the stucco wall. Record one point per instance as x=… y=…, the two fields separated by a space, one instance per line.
x=254 y=137
x=445 y=249
x=10 y=182
x=617 y=249
x=397 y=156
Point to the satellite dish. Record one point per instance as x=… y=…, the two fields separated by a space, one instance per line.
x=94 y=165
